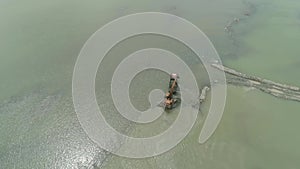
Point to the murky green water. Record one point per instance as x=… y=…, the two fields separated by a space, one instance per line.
x=39 y=44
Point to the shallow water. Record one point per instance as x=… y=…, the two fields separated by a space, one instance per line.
x=39 y=44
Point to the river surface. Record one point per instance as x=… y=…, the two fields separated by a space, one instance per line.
x=39 y=45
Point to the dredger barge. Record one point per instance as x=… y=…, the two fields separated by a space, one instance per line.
x=171 y=99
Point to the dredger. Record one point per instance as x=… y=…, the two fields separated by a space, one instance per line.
x=170 y=100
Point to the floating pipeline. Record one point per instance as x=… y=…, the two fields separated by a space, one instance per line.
x=279 y=90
